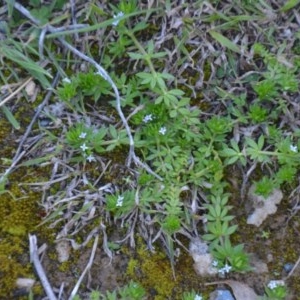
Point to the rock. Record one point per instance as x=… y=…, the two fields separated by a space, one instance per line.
x=259 y=267
x=25 y=283
x=241 y=291
x=63 y=250
x=202 y=260
x=30 y=88
x=288 y=267
x=221 y=295
x=263 y=207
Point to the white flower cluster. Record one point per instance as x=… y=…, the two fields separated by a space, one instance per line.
x=148 y=118
x=163 y=130
x=82 y=135
x=117 y=18
x=198 y=297
x=225 y=269
x=273 y=284
x=215 y=263
x=84 y=147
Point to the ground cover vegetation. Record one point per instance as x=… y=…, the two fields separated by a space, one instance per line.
x=142 y=110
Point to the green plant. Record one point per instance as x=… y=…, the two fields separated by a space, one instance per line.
x=131 y=291
x=191 y=296
x=219 y=231
x=181 y=143
x=275 y=290
x=86 y=140
x=285 y=153
x=161 y=131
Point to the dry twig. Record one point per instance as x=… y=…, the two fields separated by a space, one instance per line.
x=34 y=258
x=88 y=266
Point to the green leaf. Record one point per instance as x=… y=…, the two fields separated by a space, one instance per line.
x=218 y=210
x=113 y=132
x=10 y=117
x=251 y=143
x=136 y=56
x=147 y=78
x=167 y=76
x=228 y=152
x=25 y=62
x=10 y=7
x=230 y=230
x=102 y=24
x=224 y=41
x=261 y=142
x=289 y=5
x=111 y=147
x=37 y=161
x=140 y=26
x=232 y=160
x=159 y=54
x=176 y=92
x=209 y=237
x=173 y=113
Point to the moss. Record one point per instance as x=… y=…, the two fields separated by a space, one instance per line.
x=17 y=219
x=65 y=266
x=19 y=215
x=153 y=271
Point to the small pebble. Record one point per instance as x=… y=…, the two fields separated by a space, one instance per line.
x=224 y=295
x=44 y=122
x=288 y=267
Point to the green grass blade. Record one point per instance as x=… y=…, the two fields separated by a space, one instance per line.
x=10 y=117
x=26 y=63
x=10 y=7
x=224 y=41
x=289 y=5
x=100 y=25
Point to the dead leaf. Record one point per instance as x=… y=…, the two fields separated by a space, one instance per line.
x=241 y=291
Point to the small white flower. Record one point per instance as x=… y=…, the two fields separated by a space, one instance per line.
x=198 y=297
x=90 y=158
x=162 y=130
x=221 y=271
x=215 y=263
x=293 y=148
x=84 y=147
x=227 y=268
x=120 y=201
x=66 y=80
x=272 y=284
x=147 y=118
x=117 y=17
x=82 y=135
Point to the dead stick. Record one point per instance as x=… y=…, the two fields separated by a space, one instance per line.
x=34 y=258
x=88 y=266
